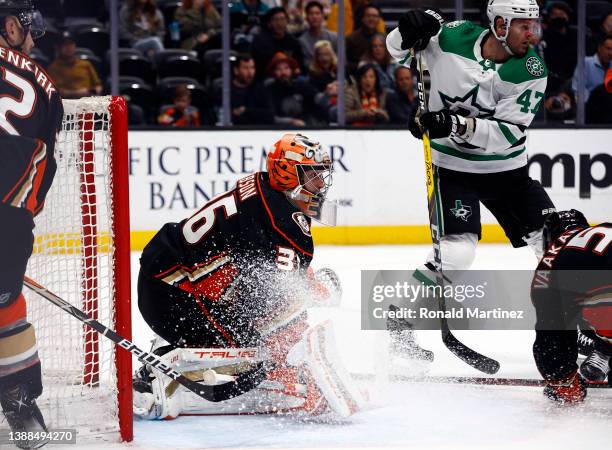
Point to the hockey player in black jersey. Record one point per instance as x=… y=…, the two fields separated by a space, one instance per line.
x=235 y=275
x=30 y=118
x=571 y=289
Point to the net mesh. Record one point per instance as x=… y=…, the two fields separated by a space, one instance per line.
x=73 y=257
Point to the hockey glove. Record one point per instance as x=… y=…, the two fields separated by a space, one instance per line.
x=413 y=125
x=417 y=27
x=444 y=123
x=567 y=391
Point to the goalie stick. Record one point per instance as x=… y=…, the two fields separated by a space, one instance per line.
x=471 y=357
x=243 y=382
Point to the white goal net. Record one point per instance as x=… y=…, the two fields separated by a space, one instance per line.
x=77 y=256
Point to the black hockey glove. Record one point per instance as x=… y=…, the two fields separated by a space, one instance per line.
x=413 y=126
x=443 y=123
x=417 y=27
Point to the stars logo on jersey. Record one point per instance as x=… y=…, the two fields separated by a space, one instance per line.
x=454 y=24
x=487 y=64
x=466 y=106
x=534 y=66
x=460 y=211
x=302 y=222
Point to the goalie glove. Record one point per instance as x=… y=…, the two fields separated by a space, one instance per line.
x=417 y=27
x=327 y=287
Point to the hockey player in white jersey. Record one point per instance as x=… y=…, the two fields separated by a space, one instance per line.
x=486 y=86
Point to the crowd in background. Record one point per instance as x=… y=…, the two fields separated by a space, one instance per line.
x=284 y=63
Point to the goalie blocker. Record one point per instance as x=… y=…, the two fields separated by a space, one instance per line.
x=237 y=275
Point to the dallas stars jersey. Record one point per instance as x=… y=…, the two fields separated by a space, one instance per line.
x=503 y=97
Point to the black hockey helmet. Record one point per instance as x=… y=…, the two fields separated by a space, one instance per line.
x=557 y=223
x=29 y=17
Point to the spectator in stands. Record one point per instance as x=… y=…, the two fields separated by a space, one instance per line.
x=323 y=69
x=245 y=22
x=250 y=102
x=351 y=21
x=292 y=97
x=295 y=11
x=358 y=42
x=253 y=10
x=322 y=75
x=604 y=28
x=198 y=21
x=141 y=23
x=560 y=105
x=402 y=103
x=74 y=77
x=378 y=55
x=181 y=113
x=558 y=45
x=599 y=107
x=595 y=68
x=316 y=31
x=365 y=99
x=274 y=38
x=606 y=25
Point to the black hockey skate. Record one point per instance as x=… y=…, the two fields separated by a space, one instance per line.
x=596 y=367
x=141 y=381
x=404 y=345
x=586 y=344
x=403 y=342
x=23 y=415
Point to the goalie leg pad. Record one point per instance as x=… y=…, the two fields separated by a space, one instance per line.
x=318 y=353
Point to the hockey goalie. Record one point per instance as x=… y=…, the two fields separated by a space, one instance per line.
x=228 y=289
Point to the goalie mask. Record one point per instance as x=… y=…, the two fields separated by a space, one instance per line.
x=299 y=167
x=558 y=223
x=30 y=19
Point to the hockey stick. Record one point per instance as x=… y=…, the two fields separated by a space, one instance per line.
x=479 y=381
x=243 y=382
x=471 y=357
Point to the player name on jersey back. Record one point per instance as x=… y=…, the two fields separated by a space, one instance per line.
x=22 y=62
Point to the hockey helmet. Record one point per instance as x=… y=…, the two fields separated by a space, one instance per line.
x=29 y=17
x=509 y=10
x=558 y=223
x=301 y=168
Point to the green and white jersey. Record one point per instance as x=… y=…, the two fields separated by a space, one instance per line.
x=503 y=97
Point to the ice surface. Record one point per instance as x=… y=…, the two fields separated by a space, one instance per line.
x=405 y=415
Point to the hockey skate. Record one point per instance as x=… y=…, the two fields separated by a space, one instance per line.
x=23 y=415
x=403 y=342
x=596 y=367
x=586 y=345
